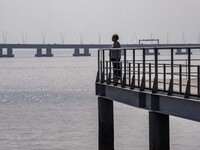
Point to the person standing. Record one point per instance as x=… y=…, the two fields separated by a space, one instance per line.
x=115 y=56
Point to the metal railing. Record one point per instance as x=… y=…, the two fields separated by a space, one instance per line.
x=158 y=73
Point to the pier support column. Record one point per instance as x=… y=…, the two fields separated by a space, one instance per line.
x=76 y=52
x=106 y=124
x=1 y=52
x=147 y=52
x=39 y=52
x=86 y=52
x=10 y=52
x=158 y=131
x=49 y=52
x=180 y=52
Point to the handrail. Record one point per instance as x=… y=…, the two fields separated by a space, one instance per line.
x=192 y=46
x=172 y=77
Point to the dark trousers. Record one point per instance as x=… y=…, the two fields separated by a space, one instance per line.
x=116 y=68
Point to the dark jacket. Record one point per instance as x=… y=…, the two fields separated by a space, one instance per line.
x=115 y=54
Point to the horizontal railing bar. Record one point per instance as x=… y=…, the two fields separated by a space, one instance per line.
x=158 y=74
x=152 y=48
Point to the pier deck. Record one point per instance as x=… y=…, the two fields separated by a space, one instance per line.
x=163 y=88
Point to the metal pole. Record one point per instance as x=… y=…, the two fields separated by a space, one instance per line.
x=189 y=68
x=106 y=70
x=98 y=61
x=125 y=65
x=149 y=75
x=164 y=77
x=129 y=68
x=138 y=74
x=133 y=67
x=172 y=68
x=143 y=60
x=198 y=82
x=156 y=70
x=180 y=79
x=103 y=65
x=110 y=66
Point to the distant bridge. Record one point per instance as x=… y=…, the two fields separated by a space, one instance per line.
x=48 y=47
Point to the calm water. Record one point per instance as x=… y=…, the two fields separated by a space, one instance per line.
x=49 y=104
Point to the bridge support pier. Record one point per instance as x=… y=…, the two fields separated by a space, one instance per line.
x=147 y=52
x=180 y=52
x=106 y=124
x=158 y=131
x=1 y=52
x=48 y=53
x=86 y=52
x=9 y=53
x=39 y=52
x=77 y=52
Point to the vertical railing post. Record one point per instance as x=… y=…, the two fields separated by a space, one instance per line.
x=180 y=79
x=149 y=75
x=164 y=77
x=172 y=67
x=133 y=80
x=110 y=69
x=106 y=70
x=138 y=74
x=110 y=65
x=103 y=60
x=129 y=68
x=98 y=67
x=155 y=84
x=188 y=88
x=171 y=84
x=101 y=71
x=189 y=68
x=103 y=67
x=124 y=78
x=98 y=63
x=186 y=69
x=198 y=80
x=144 y=68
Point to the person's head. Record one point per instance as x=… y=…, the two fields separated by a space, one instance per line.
x=115 y=37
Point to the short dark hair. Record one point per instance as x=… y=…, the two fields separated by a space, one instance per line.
x=115 y=36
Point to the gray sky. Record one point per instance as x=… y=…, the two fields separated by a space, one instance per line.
x=91 y=17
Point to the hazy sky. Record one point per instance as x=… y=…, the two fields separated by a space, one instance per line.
x=91 y=17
